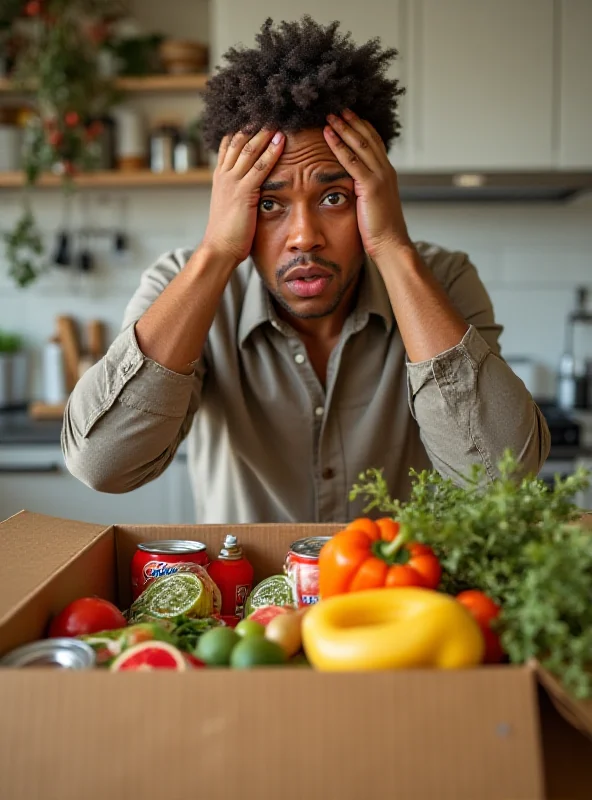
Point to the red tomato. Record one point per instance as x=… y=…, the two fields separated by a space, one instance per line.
x=484 y=610
x=72 y=118
x=87 y=615
x=33 y=8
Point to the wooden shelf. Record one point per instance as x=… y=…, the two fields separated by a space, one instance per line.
x=145 y=84
x=115 y=179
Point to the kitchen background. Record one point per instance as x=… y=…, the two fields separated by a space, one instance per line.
x=495 y=160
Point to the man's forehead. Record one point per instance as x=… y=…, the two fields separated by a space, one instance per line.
x=306 y=150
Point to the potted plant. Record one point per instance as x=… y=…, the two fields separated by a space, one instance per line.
x=59 y=59
x=13 y=371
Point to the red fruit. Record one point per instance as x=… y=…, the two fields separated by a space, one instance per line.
x=484 y=610
x=149 y=656
x=265 y=614
x=195 y=662
x=55 y=138
x=71 y=118
x=87 y=615
x=33 y=8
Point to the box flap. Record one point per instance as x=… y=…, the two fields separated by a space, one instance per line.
x=33 y=548
x=271 y=733
x=577 y=712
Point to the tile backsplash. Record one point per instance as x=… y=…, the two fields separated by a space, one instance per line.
x=530 y=257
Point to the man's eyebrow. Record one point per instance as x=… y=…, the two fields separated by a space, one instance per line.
x=320 y=177
x=330 y=177
x=274 y=186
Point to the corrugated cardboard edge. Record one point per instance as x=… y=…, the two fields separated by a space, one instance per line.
x=267 y=733
x=99 y=532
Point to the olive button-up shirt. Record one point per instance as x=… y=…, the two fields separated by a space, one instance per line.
x=267 y=442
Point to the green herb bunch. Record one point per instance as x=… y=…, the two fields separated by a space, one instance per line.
x=518 y=541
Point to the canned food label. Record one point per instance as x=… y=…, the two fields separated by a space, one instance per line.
x=305 y=582
x=242 y=592
x=309 y=599
x=157 y=569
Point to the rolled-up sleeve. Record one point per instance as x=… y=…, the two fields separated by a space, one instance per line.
x=127 y=414
x=468 y=403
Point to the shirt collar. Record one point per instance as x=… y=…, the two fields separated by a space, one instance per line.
x=258 y=309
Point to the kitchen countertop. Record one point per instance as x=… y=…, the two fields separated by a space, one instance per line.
x=18 y=428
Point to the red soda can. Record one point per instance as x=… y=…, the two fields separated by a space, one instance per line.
x=233 y=575
x=302 y=569
x=152 y=560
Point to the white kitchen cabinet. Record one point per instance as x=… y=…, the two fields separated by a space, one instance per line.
x=35 y=478
x=575 y=88
x=237 y=22
x=480 y=83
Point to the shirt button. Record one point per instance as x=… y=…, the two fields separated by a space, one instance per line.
x=126 y=368
x=299 y=358
x=328 y=473
x=319 y=411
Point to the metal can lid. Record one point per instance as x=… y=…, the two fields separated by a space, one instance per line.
x=172 y=547
x=309 y=547
x=62 y=653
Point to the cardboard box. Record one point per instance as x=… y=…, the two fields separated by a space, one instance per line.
x=481 y=734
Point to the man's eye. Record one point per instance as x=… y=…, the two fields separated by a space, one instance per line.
x=335 y=199
x=267 y=205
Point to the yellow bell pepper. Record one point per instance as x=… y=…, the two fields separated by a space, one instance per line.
x=400 y=628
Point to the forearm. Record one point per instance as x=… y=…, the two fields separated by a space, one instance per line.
x=471 y=407
x=428 y=322
x=126 y=417
x=173 y=331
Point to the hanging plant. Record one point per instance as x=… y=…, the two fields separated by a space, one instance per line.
x=59 y=61
x=24 y=250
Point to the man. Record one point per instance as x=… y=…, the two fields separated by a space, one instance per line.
x=307 y=337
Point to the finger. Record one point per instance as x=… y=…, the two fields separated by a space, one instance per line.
x=235 y=145
x=360 y=143
x=348 y=159
x=269 y=158
x=365 y=128
x=223 y=149
x=251 y=151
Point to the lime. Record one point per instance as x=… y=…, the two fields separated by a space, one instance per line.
x=171 y=596
x=273 y=591
x=215 y=646
x=250 y=627
x=255 y=651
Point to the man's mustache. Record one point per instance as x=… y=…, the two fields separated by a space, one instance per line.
x=310 y=258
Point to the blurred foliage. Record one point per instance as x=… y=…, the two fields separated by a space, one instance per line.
x=57 y=59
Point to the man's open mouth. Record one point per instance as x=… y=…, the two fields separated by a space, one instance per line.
x=308 y=281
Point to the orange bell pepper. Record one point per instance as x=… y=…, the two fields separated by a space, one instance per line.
x=369 y=555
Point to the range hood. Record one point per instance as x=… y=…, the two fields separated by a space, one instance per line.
x=508 y=187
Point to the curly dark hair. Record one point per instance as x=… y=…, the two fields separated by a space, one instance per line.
x=299 y=73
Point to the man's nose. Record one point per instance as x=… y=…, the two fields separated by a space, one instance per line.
x=305 y=234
